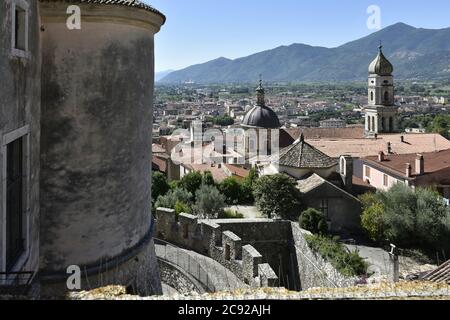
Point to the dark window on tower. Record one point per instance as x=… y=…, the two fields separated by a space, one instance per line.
x=14 y=203
x=386 y=96
x=20 y=17
x=371 y=96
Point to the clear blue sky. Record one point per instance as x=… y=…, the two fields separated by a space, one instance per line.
x=200 y=30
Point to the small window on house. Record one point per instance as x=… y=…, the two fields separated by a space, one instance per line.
x=367 y=172
x=385 y=180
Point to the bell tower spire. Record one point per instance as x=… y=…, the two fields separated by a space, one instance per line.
x=381 y=112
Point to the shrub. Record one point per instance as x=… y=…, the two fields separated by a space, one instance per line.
x=209 y=202
x=346 y=262
x=181 y=207
x=314 y=221
x=171 y=198
x=231 y=189
x=277 y=196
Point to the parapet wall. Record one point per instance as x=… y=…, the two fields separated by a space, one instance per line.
x=215 y=239
x=313 y=270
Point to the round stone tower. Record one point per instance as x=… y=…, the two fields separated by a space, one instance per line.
x=97 y=93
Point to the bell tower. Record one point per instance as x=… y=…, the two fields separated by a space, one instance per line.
x=381 y=112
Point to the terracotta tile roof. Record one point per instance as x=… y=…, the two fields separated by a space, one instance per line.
x=364 y=147
x=218 y=174
x=441 y=274
x=434 y=161
x=314 y=181
x=303 y=155
x=321 y=133
x=159 y=164
x=129 y=3
x=237 y=171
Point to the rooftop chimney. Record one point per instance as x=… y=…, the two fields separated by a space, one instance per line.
x=389 y=148
x=381 y=156
x=402 y=139
x=408 y=170
x=420 y=165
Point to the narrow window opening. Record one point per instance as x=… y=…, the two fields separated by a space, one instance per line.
x=15 y=243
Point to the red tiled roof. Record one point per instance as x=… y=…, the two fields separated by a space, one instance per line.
x=323 y=133
x=434 y=161
x=237 y=171
x=159 y=164
x=364 y=147
x=218 y=174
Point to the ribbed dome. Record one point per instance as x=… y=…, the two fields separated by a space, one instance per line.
x=381 y=65
x=261 y=117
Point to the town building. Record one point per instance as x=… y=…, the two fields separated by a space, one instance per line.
x=429 y=169
x=333 y=123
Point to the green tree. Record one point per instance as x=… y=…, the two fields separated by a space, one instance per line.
x=409 y=218
x=313 y=220
x=231 y=189
x=372 y=221
x=441 y=125
x=209 y=202
x=277 y=196
x=191 y=182
x=247 y=187
x=159 y=185
x=208 y=178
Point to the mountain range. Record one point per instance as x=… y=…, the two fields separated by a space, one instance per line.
x=161 y=74
x=416 y=53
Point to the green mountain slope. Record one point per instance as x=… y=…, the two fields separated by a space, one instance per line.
x=415 y=53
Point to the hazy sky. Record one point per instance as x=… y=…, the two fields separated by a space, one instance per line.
x=200 y=30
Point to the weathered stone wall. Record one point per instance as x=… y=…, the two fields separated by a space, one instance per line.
x=215 y=239
x=313 y=270
x=20 y=93
x=97 y=102
x=177 y=279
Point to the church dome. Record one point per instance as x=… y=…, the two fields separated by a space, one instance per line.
x=261 y=116
x=381 y=65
